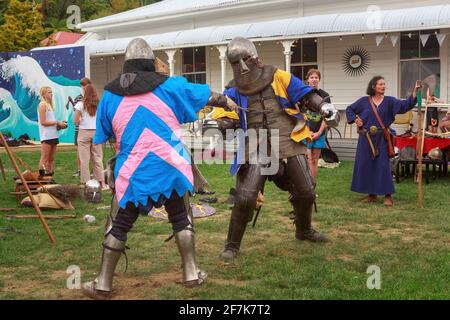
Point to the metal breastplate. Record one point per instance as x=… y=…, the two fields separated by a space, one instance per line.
x=265 y=112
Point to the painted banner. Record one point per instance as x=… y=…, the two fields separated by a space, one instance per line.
x=22 y=74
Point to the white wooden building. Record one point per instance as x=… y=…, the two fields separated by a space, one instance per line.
x=402 y=40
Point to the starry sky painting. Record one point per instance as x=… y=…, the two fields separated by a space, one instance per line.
x=22 y=74
x=66 y=62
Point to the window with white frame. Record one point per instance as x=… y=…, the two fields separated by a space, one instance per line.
x=304 y=57
x=419 y=62
x=194 y=64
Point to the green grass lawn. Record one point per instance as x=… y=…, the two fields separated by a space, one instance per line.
x=411 y=246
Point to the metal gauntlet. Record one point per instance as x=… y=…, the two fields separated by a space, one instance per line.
x=330 y=114
x=217 y=100
x=328 y=111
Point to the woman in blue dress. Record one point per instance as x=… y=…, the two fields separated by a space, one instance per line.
x=372 y=175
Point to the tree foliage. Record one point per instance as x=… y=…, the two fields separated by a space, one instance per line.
x=22 y=28
x=55 y=11
x=50 y=17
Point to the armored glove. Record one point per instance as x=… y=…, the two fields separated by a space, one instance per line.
x=330 y=114
x=222 y=101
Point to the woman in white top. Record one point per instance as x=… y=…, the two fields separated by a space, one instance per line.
x=85 y=118
x=48 y=131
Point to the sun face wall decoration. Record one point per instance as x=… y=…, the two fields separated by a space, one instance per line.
x=356 y=61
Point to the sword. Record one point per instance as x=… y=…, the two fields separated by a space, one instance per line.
x=372 y=147
x=259 y=210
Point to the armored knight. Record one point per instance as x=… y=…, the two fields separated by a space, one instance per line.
x=267 y=99
x=143 y=110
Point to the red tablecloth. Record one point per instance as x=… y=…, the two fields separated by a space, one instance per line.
x=429 y=143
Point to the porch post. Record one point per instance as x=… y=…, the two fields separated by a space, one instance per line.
x=287 y=44
x=223 y=64
x=171 y=55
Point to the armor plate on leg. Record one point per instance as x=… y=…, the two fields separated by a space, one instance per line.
x=101 y=287
x=113 y=211
x=192 y=275
x=302 y=198
x=185 y=240
x=249 y=183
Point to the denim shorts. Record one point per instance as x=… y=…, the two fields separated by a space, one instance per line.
x=320 y=143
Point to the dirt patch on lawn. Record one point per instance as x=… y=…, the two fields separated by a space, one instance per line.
x=344 y=257
x=125 y=286
x=133 y=287
x=405 y=231
x=129 y=287
x=22 y=287
x=228 y=282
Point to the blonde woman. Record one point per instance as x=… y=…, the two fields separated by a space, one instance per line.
x=85 y=118
x=48 y=131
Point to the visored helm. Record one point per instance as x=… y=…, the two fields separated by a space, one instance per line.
x=243 y=57
x=240 y=53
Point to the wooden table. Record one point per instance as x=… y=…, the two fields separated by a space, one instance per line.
x=33 y=185
x=429 y=143
x=403 y=169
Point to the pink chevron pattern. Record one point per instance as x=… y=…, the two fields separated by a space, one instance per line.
x=150 y=142
x=128 y=107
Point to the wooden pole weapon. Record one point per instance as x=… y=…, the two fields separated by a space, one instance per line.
x=24 y=182
x=419 y=144
x=422 y=141
x=2 y=169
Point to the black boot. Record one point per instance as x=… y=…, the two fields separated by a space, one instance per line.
x=238 y=224
x=249 y=182
x=303 y=229
x=303 y=196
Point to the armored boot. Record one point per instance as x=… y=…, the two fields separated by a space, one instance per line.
x=101 y=287
x=249 y=183
x=303 y=229
x=238 y=224
x=193 y=276
x=303 y=196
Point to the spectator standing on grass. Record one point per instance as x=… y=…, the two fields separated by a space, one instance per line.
x=372 y=173
x=85 y=118
x=48 y=131
x=316 y=124
x=83 y=82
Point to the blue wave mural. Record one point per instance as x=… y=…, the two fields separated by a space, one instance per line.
x=22 y=74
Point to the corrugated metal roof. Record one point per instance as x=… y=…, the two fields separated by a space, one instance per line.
x=391 y=20
x=164 y=8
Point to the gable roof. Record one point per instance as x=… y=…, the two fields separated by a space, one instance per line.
x=61 y=38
